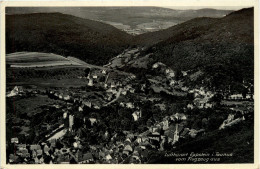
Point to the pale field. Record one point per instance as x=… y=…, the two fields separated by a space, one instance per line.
x=36 y=59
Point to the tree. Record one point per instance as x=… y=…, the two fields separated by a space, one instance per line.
x=217 y=98
x=86 y=71
x=178 y=74
x=244 y=92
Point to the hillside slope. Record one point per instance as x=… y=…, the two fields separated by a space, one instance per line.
x=152 y=38
x=200 y=26
x=66 y=35
x=223 y=48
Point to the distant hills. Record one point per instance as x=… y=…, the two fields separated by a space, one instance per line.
x=223 y=48
x=134 y=20
x=204 y=28
x=66 y=35
x=152 y=38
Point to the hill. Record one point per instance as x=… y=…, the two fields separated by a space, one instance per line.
x=203 y=25
x=139 y=19
x=66 y=35
x=223 y=48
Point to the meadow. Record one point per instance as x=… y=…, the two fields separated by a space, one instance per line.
x=36 y=59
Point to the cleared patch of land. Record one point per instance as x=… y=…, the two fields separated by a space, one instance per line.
x=231 y=103
x=76 y=60
x=36 y=59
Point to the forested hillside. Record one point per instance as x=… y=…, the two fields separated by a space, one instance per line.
x=223 y=48
x=66 y=35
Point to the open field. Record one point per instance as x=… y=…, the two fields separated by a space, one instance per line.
x=231 y=103
x=155 y=25
x=25 y=61
x=20 y=57
x=36 y=59
x=76 y=60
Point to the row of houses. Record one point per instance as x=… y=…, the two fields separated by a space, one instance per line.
x=239 y=96
x=230 y=121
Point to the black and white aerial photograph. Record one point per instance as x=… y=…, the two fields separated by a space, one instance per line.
x=129 y=85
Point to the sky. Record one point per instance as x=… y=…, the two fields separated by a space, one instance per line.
x=201 y=7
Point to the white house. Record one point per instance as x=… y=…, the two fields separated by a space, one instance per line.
x=132 y=90
x=92 y=120
x=66 y=97
x=80 y=109
x=236 y=97
x=113 y=85
x=96 y=107
x=165 y=124
x=184 y=89
x=104 y=71
x=71 y=122
x=122 y=104
x=60 y=96
x=133 y=76
x=171 y=74
x=156 y=65
x=14 y=140
x=172 y=82
x=136 y=115
x=90 y=82
x=124 y=92
x=65 y=114
x=202 y=92
x=248 y=96
x=184 y=73
x=208 y=105
x=167 y=71
x=15 y=91
x=87 y=103
x=130 y=105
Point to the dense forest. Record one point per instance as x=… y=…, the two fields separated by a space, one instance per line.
x=66 y=35
x=222 y=48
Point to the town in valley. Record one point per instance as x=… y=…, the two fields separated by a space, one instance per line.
x=137 y=106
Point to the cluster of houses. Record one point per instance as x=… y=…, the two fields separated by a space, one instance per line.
x=57 y=152
x=167 y=81
x=171 y=129
x=114 y=90
x=95 y=76
x=65 y=96
x=42 y=153
x=169 y=73
x=129 y=148
x=121 y=148
x=202 y=99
